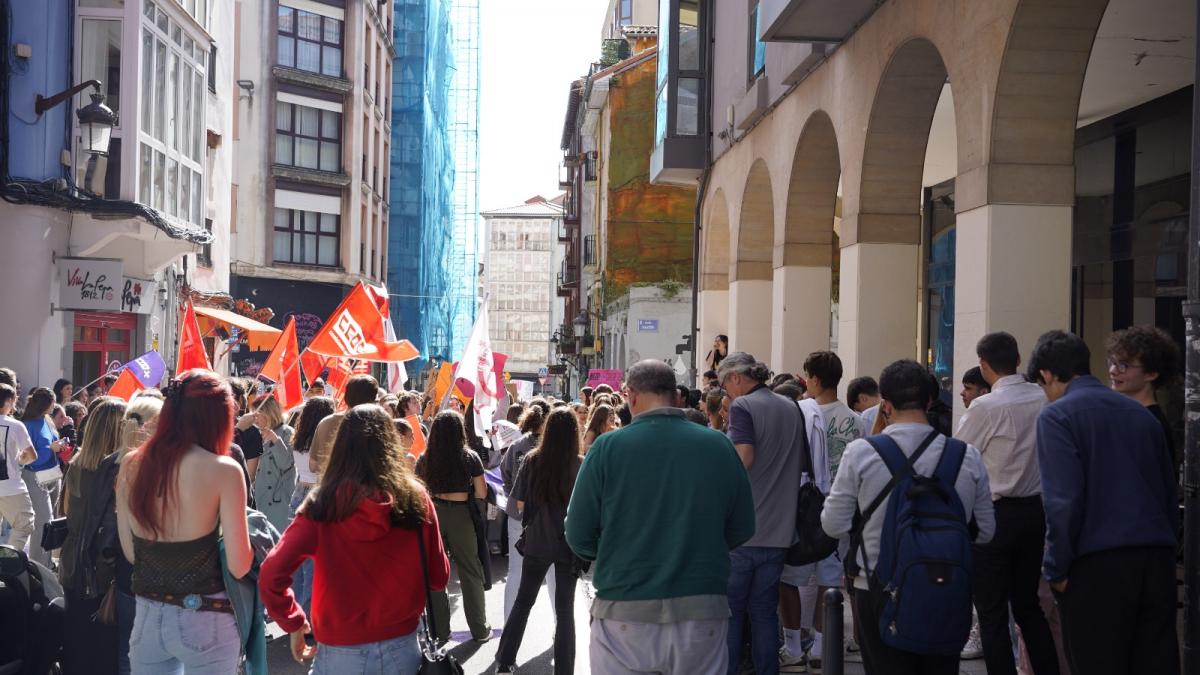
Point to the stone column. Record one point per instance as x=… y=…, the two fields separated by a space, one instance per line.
x=800 y=315
x=713 y=321
x=1012 y=273
x=750 y=317
x=877 y=319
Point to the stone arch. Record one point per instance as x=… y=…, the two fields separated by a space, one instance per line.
x=715 y=268
x=805 y=236
x=1032 y=148
x=755 y=233
x=896 y=141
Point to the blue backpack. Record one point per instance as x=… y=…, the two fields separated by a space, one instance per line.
x=924 y=569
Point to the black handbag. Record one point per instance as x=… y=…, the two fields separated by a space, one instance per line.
x=54 y=534
x=812 y=544
x=434 y=661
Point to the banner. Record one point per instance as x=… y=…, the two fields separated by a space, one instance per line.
x=89 y=284
x=611 y=377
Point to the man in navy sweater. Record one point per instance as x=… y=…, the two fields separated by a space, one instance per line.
x=1107 y=487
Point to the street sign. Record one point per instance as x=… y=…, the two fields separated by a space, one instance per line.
x=543 y=375
x=647 y=325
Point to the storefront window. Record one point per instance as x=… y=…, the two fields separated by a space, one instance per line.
x=939 y=282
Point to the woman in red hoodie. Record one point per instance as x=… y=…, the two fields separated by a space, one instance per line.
x=360 y=527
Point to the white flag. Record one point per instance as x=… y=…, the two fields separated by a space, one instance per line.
x=397 y=374
x=476 y=367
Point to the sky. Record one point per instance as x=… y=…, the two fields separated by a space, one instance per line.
x=532 y=51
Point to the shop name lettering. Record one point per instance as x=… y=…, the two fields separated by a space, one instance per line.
x=131 y=297
x=89 y=289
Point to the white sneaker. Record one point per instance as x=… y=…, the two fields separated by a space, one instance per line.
x=974 y=647
x=792 y=664
x=853 y=651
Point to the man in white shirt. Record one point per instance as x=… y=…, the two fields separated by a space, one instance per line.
x=907 y=391
x=1003 y=425
x=15 y=505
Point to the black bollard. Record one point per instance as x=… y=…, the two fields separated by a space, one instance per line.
x=834 y=656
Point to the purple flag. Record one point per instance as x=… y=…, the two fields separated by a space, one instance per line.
x=148 y=368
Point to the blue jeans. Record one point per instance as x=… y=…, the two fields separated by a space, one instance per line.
x=398 y=656
x=754 y=573
x=170 y=640
x=302 y=578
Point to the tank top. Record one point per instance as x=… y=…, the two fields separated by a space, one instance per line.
x=177 y=567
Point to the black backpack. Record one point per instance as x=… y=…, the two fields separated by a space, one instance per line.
x=812 y=544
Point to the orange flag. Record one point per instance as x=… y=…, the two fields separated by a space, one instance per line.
x=339 y=375
x=126 y=385
x=356 y=330
x=418 y=446
x=312 y=364
x=191 y=345
x=283 y=367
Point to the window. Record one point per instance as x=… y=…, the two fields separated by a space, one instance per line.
x=100 y=59
x=204 y=257
x=310 y=42
x=307 y=238
x=758 y=48
x=212 y=68
x=171 y=123
x=308 y=137
x=678 y=109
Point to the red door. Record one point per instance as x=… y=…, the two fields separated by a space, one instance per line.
x=101 y=339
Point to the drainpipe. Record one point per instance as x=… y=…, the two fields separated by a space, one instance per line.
x=709 y=24
x=1191 y=463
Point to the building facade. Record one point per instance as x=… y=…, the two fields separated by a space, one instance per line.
x=629 y=242
x=467 y=235
x=102 y=247
x=313 y=138
x=520 y=284
x=1017 y=165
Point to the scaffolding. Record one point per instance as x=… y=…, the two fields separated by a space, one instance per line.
x=464 y=134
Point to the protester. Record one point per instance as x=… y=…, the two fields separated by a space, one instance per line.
x=862 y=393
x=974 y=385
x=1141 y=361
x=87 y=564
x=1111 y=515
x=823 y=374
x=714 y=408
x=360 y=390
x=312 y=412
x=543 y=488
x=601 y=421
x=624 y=415
x=315 y=388
x=369 y=514
x=585 y=396
x=710 y=379
x=768 y=432
x=15 y=505
x=696 y=416
x=43 y=477
x=245 y=435
x=176 y=496
x=1003 y=425
x=906 y=390
x=63 y=391
x=531 y=425
x=658 y=506
x=581 y=413
x=276 y=479
x=453 y=473
x=720 y=348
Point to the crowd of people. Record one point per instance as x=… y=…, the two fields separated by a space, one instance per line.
x=193 y=511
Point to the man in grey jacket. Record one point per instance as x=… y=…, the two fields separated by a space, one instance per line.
x=906 y=390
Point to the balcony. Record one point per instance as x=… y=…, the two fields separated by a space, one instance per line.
x=812 y=20
x=336 y=85
x=568 y=279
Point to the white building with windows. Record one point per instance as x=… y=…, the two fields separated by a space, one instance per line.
x=523 y=256
x=154 y=210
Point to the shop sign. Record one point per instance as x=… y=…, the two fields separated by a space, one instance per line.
x=138 y=295
x=89 y=284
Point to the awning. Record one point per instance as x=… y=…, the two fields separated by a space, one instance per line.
x=259 y=336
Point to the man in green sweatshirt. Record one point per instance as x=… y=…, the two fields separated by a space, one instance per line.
x=658 y=505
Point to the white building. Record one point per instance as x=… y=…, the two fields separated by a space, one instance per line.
x=520 y=282
x=164 y=68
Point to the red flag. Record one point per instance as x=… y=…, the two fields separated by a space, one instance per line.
x=312 y=364
x=126 y=385
x=191 y=345
x=283 y=367
x=355 y=329
x=339 y=375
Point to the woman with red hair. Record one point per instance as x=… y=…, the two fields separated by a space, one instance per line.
x=178 y=495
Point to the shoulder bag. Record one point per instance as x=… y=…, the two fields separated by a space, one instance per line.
x=434 y=660
x=812 y=544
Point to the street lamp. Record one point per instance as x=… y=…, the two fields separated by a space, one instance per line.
x=96 y=120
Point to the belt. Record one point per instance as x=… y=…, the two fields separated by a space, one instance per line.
x=192 y=601
x=439 y=500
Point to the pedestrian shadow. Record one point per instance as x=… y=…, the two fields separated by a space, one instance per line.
x=542 y=664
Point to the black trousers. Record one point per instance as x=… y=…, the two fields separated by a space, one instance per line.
x=882 y=659
x=1118 y=612
x=533 y=572
x=1007 y=571
x=88 y=646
